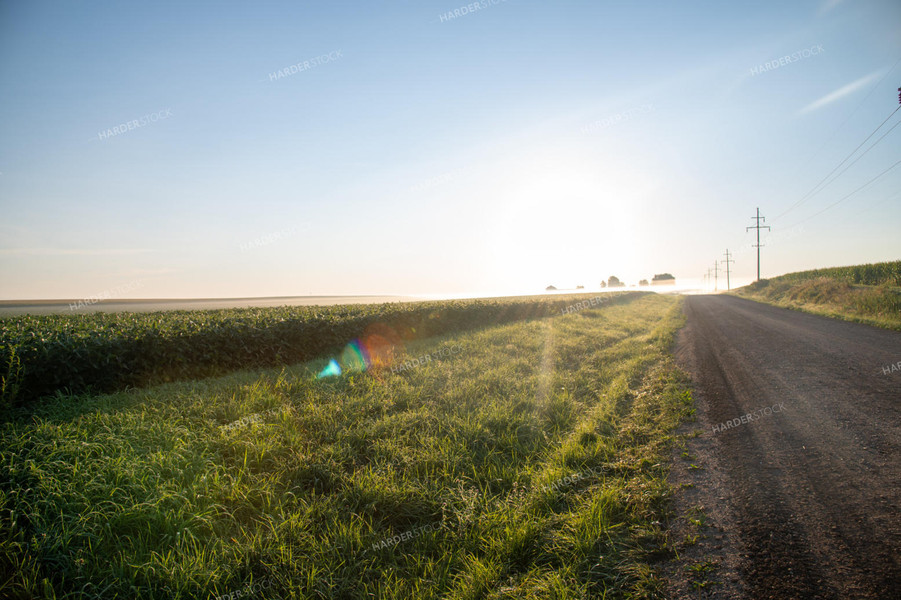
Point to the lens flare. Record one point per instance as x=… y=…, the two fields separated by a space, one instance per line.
x=333 y=368
x=379 y=346
x=355 y=357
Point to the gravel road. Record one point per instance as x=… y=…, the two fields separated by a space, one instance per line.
x=799 y=454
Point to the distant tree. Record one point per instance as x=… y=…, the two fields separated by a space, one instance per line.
x=580 y=287
x=603 y=284
x=663 y=279
x=643 y=282
x=613 y=281
x=550 y=288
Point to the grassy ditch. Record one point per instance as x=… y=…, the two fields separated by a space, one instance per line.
x=868 y=294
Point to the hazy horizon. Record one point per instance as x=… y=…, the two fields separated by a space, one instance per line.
x=9 y=308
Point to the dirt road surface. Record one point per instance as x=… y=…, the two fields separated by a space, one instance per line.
x=803 y=498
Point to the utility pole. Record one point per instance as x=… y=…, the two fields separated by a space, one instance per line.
x=716 y=275
x=727 y=261
x=758 y=227
x=708 y=277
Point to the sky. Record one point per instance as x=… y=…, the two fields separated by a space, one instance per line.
x=245 y=149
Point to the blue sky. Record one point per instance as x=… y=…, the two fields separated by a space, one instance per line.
x=520 y=145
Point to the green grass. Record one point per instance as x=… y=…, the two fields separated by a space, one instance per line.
x=202 y=488
x=868 y=294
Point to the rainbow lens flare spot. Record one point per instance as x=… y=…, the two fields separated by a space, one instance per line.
x=332 y=369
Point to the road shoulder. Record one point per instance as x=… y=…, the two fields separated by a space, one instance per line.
x=706 y=549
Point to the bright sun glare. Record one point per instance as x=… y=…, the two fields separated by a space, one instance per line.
x=563 y=206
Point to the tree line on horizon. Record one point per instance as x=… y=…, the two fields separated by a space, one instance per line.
x=614 y=282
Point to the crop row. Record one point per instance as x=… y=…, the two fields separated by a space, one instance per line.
x=99 y=352
x=885 y=273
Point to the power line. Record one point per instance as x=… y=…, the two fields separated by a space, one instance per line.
x=843 y=198
x=881 y=202
x=814 y=190
x=861 y=156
